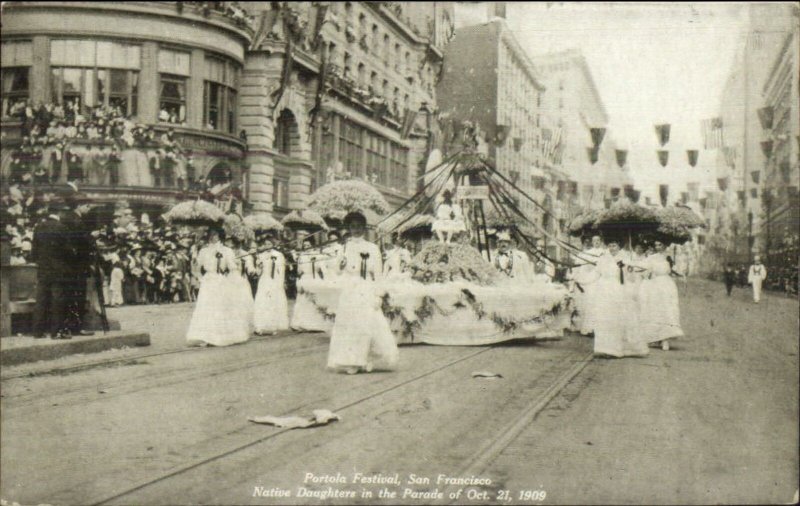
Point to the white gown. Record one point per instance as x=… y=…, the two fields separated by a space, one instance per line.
x=361 y=334
x=218 y=319
x=397 y=261
x=587 y=276
x=311 y=267
x=658 y=297
x=244 y=266
x=616 y=330
x=271 y=307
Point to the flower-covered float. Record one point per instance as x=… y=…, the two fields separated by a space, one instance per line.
x=451 y=293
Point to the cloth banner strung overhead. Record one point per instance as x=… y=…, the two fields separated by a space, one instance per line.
x=593 y=154
x=722 y=183
x=712 y=133
x=692 y=154
x=663 y=193
x=766 y=148
x=755 y=175
x=766 y=116
x=662 y=132
x=663 y=157
x=622 y=156
x=597 y=136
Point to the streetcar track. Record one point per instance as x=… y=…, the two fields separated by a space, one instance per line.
x=259 y=440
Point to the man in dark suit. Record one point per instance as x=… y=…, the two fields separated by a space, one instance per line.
x=81 y=249
x=52 y=259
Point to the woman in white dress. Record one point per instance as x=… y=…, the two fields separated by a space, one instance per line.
x=449 y=219
x=310 y=264
x=398 y=259
x=244 y=267
x=658 y=296
x=616 y=320
x=361 y=339
x=586 y=275
x=271 y=307
x=215 y=321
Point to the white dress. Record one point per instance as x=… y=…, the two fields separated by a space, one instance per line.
x=271 y=307
x=616 y=330
x=449 y=218
x=361 y=334
x=311 y=267
x=244 y=294
x=397 y=262
x=587 y=276
x=658 y=298
x=215 y=320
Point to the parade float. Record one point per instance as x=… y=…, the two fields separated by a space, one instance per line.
x=451 y=294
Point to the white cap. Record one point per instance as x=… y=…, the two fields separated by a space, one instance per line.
x=503 y=236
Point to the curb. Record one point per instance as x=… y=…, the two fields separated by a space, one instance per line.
x=43 y=349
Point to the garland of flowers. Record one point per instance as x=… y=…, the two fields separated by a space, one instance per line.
x=322 y=310
x=338 y=198
x=195 y=211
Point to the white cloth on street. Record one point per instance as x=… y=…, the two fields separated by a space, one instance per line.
x=271 y=307
x=361 y=334
x=660 y=314
x=216 y=320
x=756 y=277
x=616 y=325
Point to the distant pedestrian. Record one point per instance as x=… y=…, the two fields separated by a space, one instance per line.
x=729 y=277
x=115 y=286
x=756 y=276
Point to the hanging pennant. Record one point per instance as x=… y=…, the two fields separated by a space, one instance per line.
x=663 y=157
x=622 y=156
x=635 y=195
x=741 y=194
x=703 y=202
x=692 y=154
x=722 y=183
x=663 y=193
x=593 y=154
x=755 y=175
x=662 y=132
x=765 y=116
x=766 y=148
x=597 y=135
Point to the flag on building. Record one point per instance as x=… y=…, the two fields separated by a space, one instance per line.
x=755 y=175
x=662 y=132
x=766 y=116
x=622 y=156
x=663 y=193
x=597 y=136
x=766 y=148
x=712 y=133
x=722 y=183
x=555 y=142
x=692 y=155
x=593 y=154
x=730 y=155
x=547 y=137
x=408 y=123
x=755 y=40
x=663 y=157
x=558 y=154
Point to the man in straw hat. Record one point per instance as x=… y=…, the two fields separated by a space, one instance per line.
x=511 y=261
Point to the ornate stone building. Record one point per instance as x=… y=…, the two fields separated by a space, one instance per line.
x=339 y=89
x=135 y=100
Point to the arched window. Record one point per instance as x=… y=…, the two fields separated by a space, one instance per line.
x=221 y=173
x=361 y=75
x=286 y=133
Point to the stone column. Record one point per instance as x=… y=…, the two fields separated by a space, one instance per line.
x=40 y=70
x=149 y=84
x=194 y=91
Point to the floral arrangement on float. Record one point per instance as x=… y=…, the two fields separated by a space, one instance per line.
x=676 y=222
x=441 y=263
x=194 y=213
x=334 y=200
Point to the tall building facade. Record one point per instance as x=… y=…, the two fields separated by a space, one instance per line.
x=488 y=79
x=734 y=212
x=571 y=107
x=103 y=92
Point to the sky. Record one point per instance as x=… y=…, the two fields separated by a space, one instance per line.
x=652 y=62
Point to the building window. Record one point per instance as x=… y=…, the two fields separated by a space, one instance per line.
x=399 y=167
x=280 y=192
x=219 y=95
x=17 y=58
x=88 y=73
x=361 y=75
x=285 y=130
x=387 y=54
x=350 y=147
x=377 y=159
x=173 y=68
x=374 y=83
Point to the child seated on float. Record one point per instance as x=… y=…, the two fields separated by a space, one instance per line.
x=449 y=219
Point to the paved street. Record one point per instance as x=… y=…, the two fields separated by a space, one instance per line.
x=170 y=427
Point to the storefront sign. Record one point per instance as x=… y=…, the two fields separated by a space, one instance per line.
x=473 y=192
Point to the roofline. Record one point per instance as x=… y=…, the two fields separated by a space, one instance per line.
x=508 y=35
x=576 y=56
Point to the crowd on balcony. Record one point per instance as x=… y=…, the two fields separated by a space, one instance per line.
x=231 y=10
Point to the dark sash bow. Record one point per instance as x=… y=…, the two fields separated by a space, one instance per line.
x=364 y=257
x=274 y=259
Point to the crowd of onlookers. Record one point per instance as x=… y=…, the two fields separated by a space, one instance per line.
x=232 y=10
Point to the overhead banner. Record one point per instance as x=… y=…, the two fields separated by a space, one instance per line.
x=622 y=156
x=597 y=135
x=692 y=154
x=722 y=183
x=662 y=132
x=766 y=116
x=663 y=193
x=755 y=175
x=766 y=148
x=663 y=157
x=593 y=154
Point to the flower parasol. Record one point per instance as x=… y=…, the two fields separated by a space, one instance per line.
x=675 y=224
x=236 y=228
x=304 y=219
x=194 y=213
x=400 y=224
x=621 y=222
x=336 y=199
x=262 y=223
